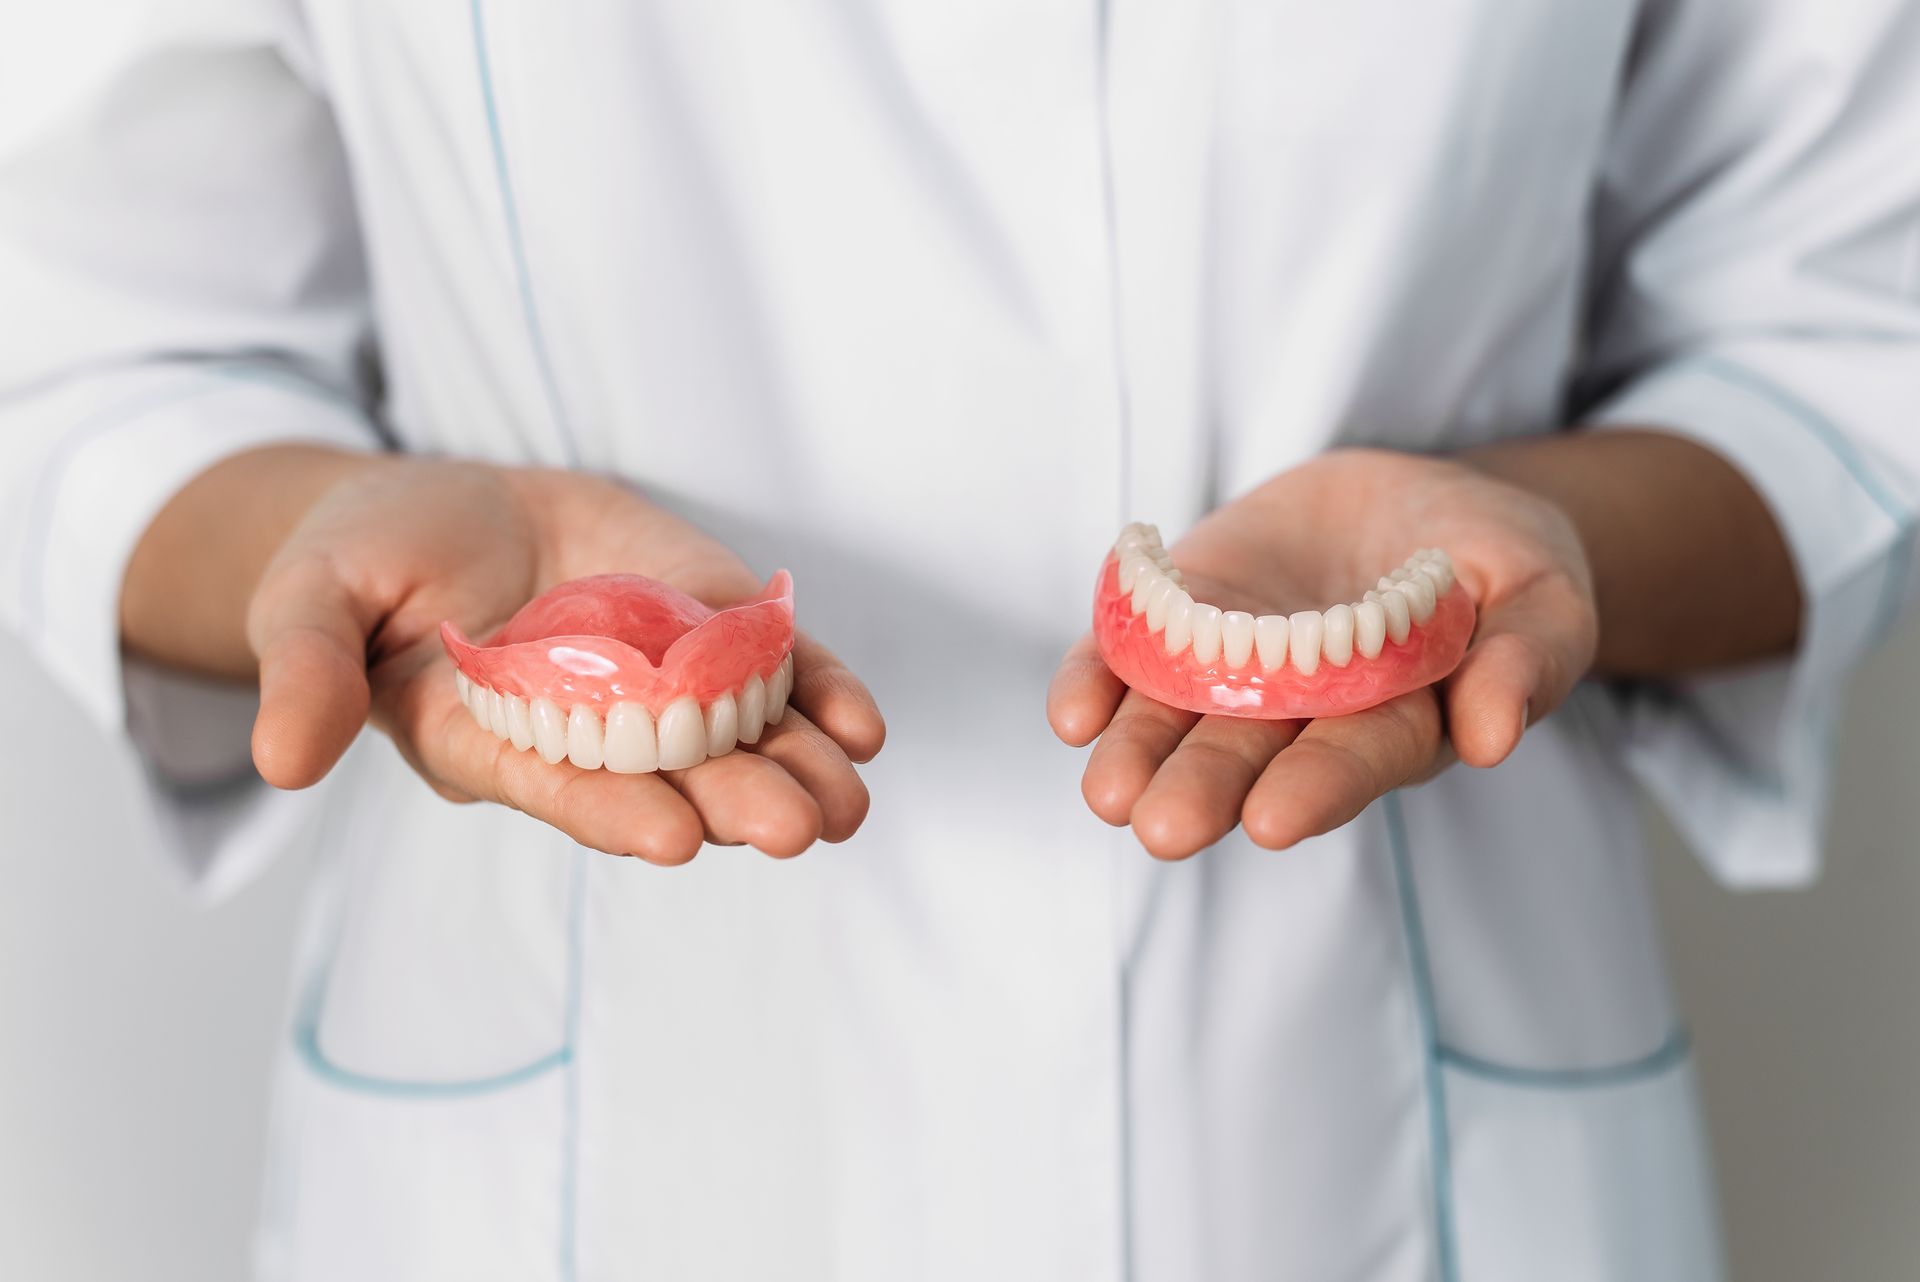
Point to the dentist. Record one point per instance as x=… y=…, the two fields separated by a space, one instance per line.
x=325 y=322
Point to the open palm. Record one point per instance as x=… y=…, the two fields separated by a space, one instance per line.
x=345 y=624
x=1314 y=535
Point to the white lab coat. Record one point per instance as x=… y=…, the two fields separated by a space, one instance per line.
x=923 y=301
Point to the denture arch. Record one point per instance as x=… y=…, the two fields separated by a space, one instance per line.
x=625 y=673
x=1409 y=630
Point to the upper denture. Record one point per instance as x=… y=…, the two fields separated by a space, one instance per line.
x=625 y=672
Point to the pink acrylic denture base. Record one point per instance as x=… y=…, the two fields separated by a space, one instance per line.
x=624 y=638
x=1140 y=659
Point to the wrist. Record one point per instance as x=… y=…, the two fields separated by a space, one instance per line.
x=184 y=597
x=1690 y=570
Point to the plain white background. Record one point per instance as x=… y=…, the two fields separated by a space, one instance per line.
x=136 y=1029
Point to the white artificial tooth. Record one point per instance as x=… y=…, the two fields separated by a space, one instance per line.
x=1138 y=529
x=683 y=735
x=1304 y=631
x=586 y=739
x=1270 y=639
x=1143 y=582
x=1434 y=577
x=1179 y=579
x=1439 y=568
x=779 y=690
x=497 y=713
x=1130 y=567
x=1236 y=637
x=1336 y=641
x=477 y=705
x=549 y=730
x=463 y=685
x=1179 y=621
x=753 y=709
x=630 y=746
x=1205 y=621
x=1157 y=598
x=723 y=725
x=519 y=723
x=1369 y=628
x=1419 y=594
x=1399 y=620
x=776 y=698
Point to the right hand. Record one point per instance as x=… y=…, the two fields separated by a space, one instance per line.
x=344 y=623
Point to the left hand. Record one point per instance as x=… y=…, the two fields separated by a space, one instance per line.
x=1319 y=534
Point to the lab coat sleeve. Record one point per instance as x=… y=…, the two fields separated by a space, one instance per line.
x=180 y=280
x=1757 y=261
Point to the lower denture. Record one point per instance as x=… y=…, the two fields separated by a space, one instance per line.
x=1409 y=631
x=627 y=674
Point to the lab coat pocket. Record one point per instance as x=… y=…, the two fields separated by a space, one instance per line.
x=1582 y=1176
x=450 y=967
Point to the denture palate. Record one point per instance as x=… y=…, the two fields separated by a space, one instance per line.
x=1337 y=635
x=627 y=674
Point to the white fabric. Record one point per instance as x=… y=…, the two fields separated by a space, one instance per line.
x=921 y=302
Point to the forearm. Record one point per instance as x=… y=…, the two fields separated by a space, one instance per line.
x=184 y=600
x=1690 y=569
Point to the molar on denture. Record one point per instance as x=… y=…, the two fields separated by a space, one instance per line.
x=1409 y=630
x=622 y=673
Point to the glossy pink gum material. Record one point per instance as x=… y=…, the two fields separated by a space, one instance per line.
x=623 y=638
x=1139 y=658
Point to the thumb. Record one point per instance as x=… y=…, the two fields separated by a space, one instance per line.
x=310 y=635
x=1526 y=655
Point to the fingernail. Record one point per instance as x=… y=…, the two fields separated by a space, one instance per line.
x=1526 y=709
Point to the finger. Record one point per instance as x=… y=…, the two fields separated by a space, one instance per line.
x=1083 y=695
x=1526 y=656
x=1142 y=734
x=307 y=631
x=1338 y=766
x=819 y=765
x=1196 y=796
x=835 y=700
x=744 y=799
x=639 y=815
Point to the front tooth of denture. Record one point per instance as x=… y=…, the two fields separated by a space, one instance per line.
x=1304 y=631
x=683 y=735
x=1369 y=628
x=1205 y=621
x=1336 y=641
x=1399 y=620
x=1143 y=585
x=586 y=740
x=477 y=706
x=723 y=725
x=1236 y=637
x=753 y=709
x=779 y=691
x=1158 y=597
x=519 y=723
x=1179 y=621
x=1270 y=639
x=549 y=730
x=497 y=713
x=630 y=746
